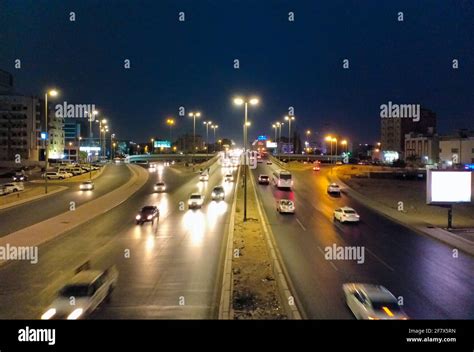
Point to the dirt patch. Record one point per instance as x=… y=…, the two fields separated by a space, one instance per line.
x=29 y=192
x=255 y=292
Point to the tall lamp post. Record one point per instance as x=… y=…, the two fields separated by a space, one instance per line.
x=344 y=143
x=91 y=118
x=243 y=101
x=51 y=93
x=289 y=119
x=207 y=124
x=330 y=140
x=279 y=126
x=112 y=136
x=214 y=127
x=170 y=122
x=274 y=126
x=335 y=143
x=194 y=115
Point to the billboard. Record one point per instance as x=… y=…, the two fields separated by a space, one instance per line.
x=446 y=187
x=162 y=144
x=271 y=144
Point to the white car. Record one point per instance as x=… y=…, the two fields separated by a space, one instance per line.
x=285 y=206
x=334 y=188
x=89 y=288
x=346 y=214
x=159 y=187
x=196 y=200
x=65 y=173
x=8 y=188
x=51 y=175
x=269 y=162
x=13 y=187
x=372 y=302
x=204 y=177
x=229 y=178
x=86 y=186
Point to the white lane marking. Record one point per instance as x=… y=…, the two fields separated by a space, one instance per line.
x=299 y=222
x=330 y=262
x=380 y=260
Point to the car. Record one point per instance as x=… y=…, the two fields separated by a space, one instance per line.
x=269 y=162
x=316 y=168
x=334 y=188
x=338 y=162
x=88 y=287
x=53 y=175
x=372 y=302
x=196 y=200
x=66 y=174
x=77 y=171
x=147 y=213
x=218 y=193
x=263 y=179
x=86 y=186
x=259 y=160
x=204 y=176
x=19 y=176
x=285 y=206
x=159 y=187
x=13 y=187
x=229 y=178
x=346 y=214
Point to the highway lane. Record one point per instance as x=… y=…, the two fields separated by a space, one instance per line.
x=433 y=284
x=18 y=217
x=174 y=267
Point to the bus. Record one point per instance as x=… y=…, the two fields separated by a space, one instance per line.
x=282 y=179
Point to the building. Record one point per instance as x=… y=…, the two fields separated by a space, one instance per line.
x=185 y=143
x=20 y=125
x=421 y=148
x=6 y=82
x=56 y=136
x=74 y=137
x=394 y=129
x=456 y=149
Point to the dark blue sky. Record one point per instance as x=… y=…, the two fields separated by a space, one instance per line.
x=287 y=64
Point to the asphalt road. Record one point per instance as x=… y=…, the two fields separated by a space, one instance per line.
x=18 y=217
x=171 y=269
x=421 y=270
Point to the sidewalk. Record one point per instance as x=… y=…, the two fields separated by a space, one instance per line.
x=49 y=229
x=408 y=217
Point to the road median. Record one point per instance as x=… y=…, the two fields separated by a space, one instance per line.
x=259 y=289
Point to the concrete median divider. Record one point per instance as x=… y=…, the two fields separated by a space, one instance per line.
x=47 y=230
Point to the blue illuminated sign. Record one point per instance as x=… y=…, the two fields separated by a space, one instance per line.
x=44 y=135
x=262 y=138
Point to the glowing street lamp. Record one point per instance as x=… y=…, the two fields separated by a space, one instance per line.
x=245 y=101
x=194 y=115
x=289 y=119
x=52 y=93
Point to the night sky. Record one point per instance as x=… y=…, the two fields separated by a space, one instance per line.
x=285 y=63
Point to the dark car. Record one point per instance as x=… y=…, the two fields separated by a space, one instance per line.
x=20 y=176
x=147 y=213
x=218 y=193
x=263 y=179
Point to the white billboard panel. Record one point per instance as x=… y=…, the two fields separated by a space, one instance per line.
x=448 y=187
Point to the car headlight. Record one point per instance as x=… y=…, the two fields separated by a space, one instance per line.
x=138 y=217
x=149 y=217
x=214 y=194
x=76 y=313
x=48 y=314
x=156 y=188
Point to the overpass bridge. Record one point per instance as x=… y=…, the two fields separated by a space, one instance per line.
x=146 y=158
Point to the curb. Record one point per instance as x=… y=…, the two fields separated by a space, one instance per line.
x=437 y=233
x=285 y=287
x=225 y=305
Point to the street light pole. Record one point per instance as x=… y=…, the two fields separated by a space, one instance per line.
x=241 y=101
x=53 y=93
x=207 y=123
x=194 y=115
x=289 y=119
